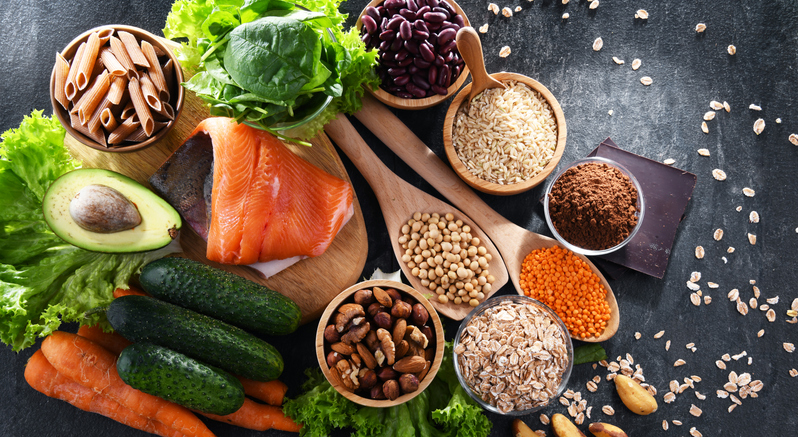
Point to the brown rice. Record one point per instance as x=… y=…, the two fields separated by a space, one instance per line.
x=506 y=136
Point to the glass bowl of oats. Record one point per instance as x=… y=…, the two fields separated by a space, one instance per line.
x=513 y=355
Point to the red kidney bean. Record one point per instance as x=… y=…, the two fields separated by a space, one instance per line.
x=432 y=74
x=423 y=10
x=405 y=62
x=369 y=23
x=396 y=71
x=446 y=5
x=439 y=90
x=420 y=25
x=404 y=95
x=433 y=39
x=442 y=11
x=412 y=5
x=435 y=17
x=448 y=47
x=446 y=35
x=412 y=69
x=443 y=76
x=439 y=62
x=414 y=90
x=425 y=49
x=406 y=30
x=385 y=45
x=411 y=46
x=395 y=22
x=373 y=12
x=448 y=57
x=388 y=64
x=408 y=14
x=384 y=23
x=380 y=10
x=366 y=40
x=457 y=59
x=420 y=80
x=387 y=35
x=420 y=35
x=432 y=3
x=420 y=63
x=458 y=20
x=456 y=71
x=397 y=44
x=434 y=27
x=387 y=56
x=401 y=80
x=401 y=55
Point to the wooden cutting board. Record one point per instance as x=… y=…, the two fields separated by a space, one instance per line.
x=312 y=283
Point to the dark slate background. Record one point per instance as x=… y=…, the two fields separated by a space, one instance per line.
x=660 y=121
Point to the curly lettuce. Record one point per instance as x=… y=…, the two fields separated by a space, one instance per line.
x=43 y=280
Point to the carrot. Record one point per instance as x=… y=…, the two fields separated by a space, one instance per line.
x=132 y=290
x=90 y=365
x=111 y=341
x=259 y=417
x=271 y=392
x=43 y=377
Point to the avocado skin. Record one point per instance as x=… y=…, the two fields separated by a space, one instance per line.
x=180 y=379
x=220 y=294
x=160 y=222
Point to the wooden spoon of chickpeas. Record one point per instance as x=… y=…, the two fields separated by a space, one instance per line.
x=441 y=251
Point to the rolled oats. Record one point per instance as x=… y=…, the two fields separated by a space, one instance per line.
x=712 y=285
x=695 y=433
x=707 y=301
x=636 y=63
x=708 y=116
x=608 y=410
x=793 y=139
x=716 y=105
x=789 y=347
x=726 y=106
x=507 y=12
x=493 y=7
x=759 y=126
x=669 y=161
x=566 y=16
x=793 y=372
x=719 y=174
x=617 y=60
x=594 y=4
x=504 y=52
x=695 y=411
x=753 y=217
x=731 y=49
x=483 y=28
x=598 y=44
x=679 y=362
x=641 y=14
x=699 y=252
x=700 y=27
x=760 y=333
x=752 y=238
x=659 y=334
x=704 y=127
x=748 y=192
x=754 y=107
x=665 y=425
x=734 y=294
x=645 y=80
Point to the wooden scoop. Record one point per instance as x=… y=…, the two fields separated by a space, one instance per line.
x=513 y=241
x=470 y=48
x=399 y=200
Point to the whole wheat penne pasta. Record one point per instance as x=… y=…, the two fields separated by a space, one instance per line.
x=87 y=61
x=166 y=112
x=133 y=49
x=123 y=131
x=168 y=69
x=97 y=135
x=83 y=97
x=117 y=89
x=158 y=51
x=97 y=69
x=105 y=34
x=155 y=72
x=149 y=91
x=108 y=120
x=61 y=71
x=119 y=51
x=139 y=135
x=93 y=96
x=111 y=63
x=142 y=109
x=70 y=89
x=128 y=111
x=94 y=121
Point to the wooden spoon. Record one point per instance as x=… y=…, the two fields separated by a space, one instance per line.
x=470 y=48
x=513 y=241
x=399 y=200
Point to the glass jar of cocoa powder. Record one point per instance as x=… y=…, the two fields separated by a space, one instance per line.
x=594 y=206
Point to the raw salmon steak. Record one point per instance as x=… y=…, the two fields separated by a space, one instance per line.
x=267 y=204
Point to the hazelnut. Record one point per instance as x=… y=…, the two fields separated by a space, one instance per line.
x=364 y=297
x=375 y=308
x=394 y=294
x=401 y=310
x=333 y=358
x=401 y=349
x=372 y=341
x=331 y=334
x=408 y=382
x=383 y=320
x=368 y=379
x=429 y=333
x=420 y=315
x=391 y=389
x=386 y=373
x=376 y=393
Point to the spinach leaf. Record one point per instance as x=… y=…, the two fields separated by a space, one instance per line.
x=589 y=353
x=273 y=57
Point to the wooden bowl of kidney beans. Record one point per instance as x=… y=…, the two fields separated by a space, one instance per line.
x=419 y=65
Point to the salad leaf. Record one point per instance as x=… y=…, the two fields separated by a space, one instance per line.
x=589 y=353
x=43 y=280
x=442 y=410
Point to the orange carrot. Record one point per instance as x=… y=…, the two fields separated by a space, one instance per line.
x=259 y=417
x=111 y=341
x=119 y=292
x=90 y=365
x=43 y=377
x=271 y=392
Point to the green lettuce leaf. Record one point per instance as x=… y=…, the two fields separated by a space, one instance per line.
x=43 y=280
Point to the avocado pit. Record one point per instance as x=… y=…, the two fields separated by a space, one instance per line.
x=102 y=209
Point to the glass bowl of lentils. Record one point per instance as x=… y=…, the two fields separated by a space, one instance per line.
x=594 y=206
x=513 y=355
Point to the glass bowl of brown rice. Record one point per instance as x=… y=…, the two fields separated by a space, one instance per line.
x=505 y=141
x=513 y=355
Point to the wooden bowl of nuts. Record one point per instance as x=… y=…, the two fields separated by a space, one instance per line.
x=380 y=343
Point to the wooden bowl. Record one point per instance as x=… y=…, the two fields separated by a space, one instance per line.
x=412 y=104
x=490 y=187
x=347 y=296
x=176 y=98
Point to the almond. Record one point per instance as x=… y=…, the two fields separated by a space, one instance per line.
x=412 y=364
x=342 y=348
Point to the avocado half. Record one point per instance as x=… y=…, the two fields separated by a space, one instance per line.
x=159 y=225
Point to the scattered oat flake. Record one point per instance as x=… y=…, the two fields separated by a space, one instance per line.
x=608 y=410
x=760 y=333
x=693 y=286
x=507 y=12
x=793 y=372
x=707 y=301
x=752 y=303
x=504 y=52
x=518 y=9
x=669 y=397
x=756 y=291
x=719 y=174
x=699 y=252
x=695 y=433
x=789 y=347
x=740 y=355
x=483 y=28
x=708 y=116
x=705 y=152
x=544 y=419
x=676 y=422
x=636 y=63
x=594 y=4
x=726 y=106
x=752 y=238
x=669 y=161
x=565 y=2
x=598 y=44
x=738 y=209
x=726 y=357
x=700 y=27
x=778 y=121
x=742 y=308
x=754 y=107
x=695 y=276
x=617 y=60
x=753 y=217
x=723 y=394
x=730 y=249
x=794 y=140
x=731 y=49
x=645 y=80
x=695 y=299
x=659 y=334
x=667 y=345
x=610 y=112
x=718 y=234
x=732 y=407
x=493 y=7
x=712 y=285
x=704 y=127
x=773 y=300
x=725 y=260
x=759 y=126
x=700 y=396
x=566 y=16
x=734 y=294
x=695 y=411
x=716 y=105
x=748 y=192
x=665 y=425
x=642 y=14
x=638 y=335
x=679 y=362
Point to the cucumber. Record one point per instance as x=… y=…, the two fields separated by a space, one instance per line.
x=220 y=294
x=180 y=379
x=146 y=319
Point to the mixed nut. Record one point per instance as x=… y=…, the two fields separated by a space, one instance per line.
x=380 y=344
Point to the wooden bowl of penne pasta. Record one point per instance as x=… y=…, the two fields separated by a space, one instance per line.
x=117 y=88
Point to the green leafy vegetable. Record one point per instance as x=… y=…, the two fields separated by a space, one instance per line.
x=442 y=410
x=589 y=353
x=43 y=280
x=270 y=63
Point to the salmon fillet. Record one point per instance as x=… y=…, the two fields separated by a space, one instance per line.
x=267 y=203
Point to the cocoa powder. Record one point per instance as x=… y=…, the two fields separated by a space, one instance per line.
x=593 y=206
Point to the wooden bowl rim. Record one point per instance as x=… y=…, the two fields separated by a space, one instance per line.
x=427 y=102
x=382 y=283
x=490 y=187
x=69 y=51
